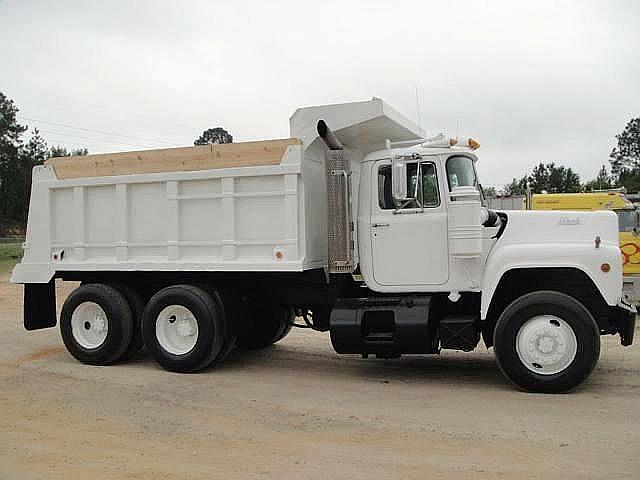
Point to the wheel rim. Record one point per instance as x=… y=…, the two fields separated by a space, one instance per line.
x=546 y=344
x=177 y=329
x=89 y=325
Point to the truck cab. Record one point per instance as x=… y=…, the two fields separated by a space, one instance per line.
x=426 y=242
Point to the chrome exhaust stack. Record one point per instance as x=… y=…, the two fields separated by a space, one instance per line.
x=339 y=221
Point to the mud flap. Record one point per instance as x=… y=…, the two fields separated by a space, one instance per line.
x=625 y=321
x=39 y=305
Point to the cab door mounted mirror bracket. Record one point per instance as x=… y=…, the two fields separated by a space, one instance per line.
x=399 y=182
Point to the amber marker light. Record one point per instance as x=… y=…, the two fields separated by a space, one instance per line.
x=605 y=267
x=473 y=144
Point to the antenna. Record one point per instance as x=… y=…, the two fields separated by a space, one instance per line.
x=418 y=108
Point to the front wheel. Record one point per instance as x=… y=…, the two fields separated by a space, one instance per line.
x=546 y=342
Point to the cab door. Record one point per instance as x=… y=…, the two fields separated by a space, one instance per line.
x=409 y=242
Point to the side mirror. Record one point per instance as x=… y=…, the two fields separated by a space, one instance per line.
x=636 y=223
x=399 y=179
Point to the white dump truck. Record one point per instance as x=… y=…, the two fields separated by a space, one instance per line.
x=356 y=225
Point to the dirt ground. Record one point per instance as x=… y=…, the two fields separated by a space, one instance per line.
x=300 y=411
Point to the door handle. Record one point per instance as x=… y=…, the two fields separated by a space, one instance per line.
x=376 y=225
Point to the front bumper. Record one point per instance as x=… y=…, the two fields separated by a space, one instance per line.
x=624 y=321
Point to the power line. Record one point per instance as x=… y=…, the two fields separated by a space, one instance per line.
x=73 y=144
x=95 y=147
x=102 y=132
x=111 y=142
x=65 y=99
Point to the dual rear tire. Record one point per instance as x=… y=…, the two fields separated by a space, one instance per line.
x=97 y=324
x=184 y=327
x=269 y=327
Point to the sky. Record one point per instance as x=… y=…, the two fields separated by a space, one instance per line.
x=532 y=81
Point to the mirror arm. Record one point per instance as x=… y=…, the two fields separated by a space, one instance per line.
x=417 y=187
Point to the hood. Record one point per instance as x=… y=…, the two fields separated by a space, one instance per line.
x=526 y=226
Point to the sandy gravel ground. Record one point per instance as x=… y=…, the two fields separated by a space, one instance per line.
x=300 y=411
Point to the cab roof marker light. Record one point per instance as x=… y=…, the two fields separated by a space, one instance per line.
x=469 y=143
x=439 y=141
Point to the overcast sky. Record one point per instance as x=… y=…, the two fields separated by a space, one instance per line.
x=532 y=81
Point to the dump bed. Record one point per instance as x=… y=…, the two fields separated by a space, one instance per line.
x=239 y=207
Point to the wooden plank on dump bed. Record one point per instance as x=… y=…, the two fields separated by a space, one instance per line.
x=205 y=157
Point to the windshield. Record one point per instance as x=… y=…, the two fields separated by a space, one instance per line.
x=626 y=220
x=460 y=172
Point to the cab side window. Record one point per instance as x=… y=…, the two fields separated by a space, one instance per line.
x=385 y=197
x=460 y=172
x=423 y=188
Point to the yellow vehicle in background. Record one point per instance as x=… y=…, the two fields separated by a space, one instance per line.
x=628 y=223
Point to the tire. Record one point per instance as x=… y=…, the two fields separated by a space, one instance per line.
x=229 y=343
x=546 y=342
x=227 y=347
x=272 y=328
x=288 y=325
x=96 y=324
x=195 y=342
x=136 y=303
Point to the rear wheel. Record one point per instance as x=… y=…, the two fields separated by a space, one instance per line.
x=184 y=328
x=546 y=342
x=136 y=303
x=270 y=326
x=96 y=324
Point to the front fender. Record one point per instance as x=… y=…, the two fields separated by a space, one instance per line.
x=582 y=256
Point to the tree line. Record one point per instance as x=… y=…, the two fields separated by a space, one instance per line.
x=624 y=170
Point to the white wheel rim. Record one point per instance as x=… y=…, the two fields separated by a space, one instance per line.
x=177 y=329
x=89 y=325
x=546 y=344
